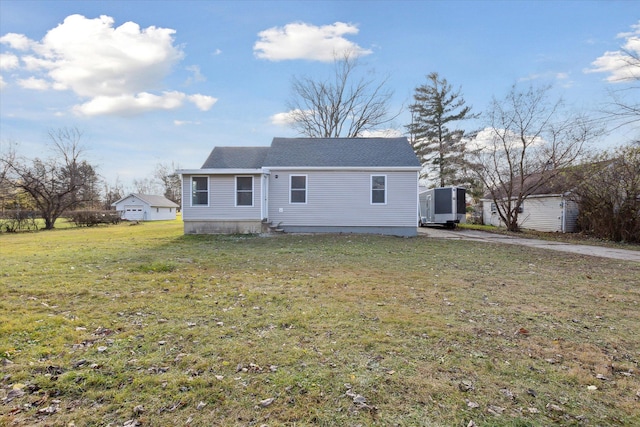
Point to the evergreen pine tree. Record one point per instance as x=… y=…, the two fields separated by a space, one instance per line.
x=438 y=144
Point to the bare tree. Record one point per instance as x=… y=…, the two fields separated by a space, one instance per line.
x=111 y=193
x=7 y=157
x=346 y=106
x=166 y=174
x=147 y=186
x=62 y=182
x=527 y=144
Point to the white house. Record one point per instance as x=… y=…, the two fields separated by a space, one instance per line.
x=146 y=207
x=350 y=185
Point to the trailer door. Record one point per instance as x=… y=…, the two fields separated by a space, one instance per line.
x=443 y=204
x=461 y=207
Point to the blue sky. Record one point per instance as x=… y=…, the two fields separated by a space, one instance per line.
x=153 y=82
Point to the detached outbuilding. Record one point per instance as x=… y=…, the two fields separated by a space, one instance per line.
x=549 y=208
x=146 y=207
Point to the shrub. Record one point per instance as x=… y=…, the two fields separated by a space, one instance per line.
x=608 y=195
x=15 y=220
x=91 y=218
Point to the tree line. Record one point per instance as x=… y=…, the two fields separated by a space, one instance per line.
x=527 y=141
x=65 y=182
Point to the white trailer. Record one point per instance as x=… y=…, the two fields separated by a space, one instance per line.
x=442 y=206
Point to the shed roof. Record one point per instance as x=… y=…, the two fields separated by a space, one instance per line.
x=152 y=200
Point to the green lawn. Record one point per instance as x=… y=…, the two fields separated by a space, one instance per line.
x=104 y=325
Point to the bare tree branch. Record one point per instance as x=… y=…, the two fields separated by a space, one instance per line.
x=343 y=107
x=527 y=144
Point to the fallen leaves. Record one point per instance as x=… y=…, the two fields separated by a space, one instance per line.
x=266 y=402
x=358 y=400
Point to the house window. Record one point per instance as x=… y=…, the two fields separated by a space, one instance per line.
x=298 y=186
x=378 y=189
x=199 y=191
x=244 y=191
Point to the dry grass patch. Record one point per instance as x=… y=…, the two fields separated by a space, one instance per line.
x=144 y=325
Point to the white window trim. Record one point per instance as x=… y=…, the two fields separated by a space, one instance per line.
x=386 y=189
x=235 y=194
x=306 y=189
x=208 y=191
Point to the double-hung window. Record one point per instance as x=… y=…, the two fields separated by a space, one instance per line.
x=244 y=191
x=199 y=191
x=298 y=189
x=378 y=189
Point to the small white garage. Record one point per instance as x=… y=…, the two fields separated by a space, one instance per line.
x=146 y=207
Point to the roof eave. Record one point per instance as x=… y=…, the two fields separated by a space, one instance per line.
x=219 y=171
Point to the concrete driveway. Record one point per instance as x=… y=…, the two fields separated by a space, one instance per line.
x=483 y=236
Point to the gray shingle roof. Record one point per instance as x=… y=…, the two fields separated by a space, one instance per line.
x=341 y=152
x=236 y=158
x=317 y=152
x=152 y=200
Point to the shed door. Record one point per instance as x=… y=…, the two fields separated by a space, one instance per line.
x=133 y=212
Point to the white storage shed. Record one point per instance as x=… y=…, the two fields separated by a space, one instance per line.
x=146 y=207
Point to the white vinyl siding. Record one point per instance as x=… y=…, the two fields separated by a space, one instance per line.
x=222 y=200
x=542 y=214
x=343 y=198
x=550 y=213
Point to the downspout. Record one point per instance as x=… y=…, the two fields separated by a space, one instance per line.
x=265 y=194
x=563 y=224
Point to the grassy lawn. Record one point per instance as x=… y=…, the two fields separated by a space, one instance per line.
x=144 y=326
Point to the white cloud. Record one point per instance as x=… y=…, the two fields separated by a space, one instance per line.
x=34 y=83
x=283 y=119
x=126 y=105
x=115 y=68
x=3 y=84
x=621 y=65
x=184 y=122
x=16 y=41
x=203 y=102
x=8 y=61
x=382 y=133
x=197 y=74
x=495 y=139
x=304 y=41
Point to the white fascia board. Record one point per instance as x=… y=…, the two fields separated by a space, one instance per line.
x=346 y=168
x=219 y=171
